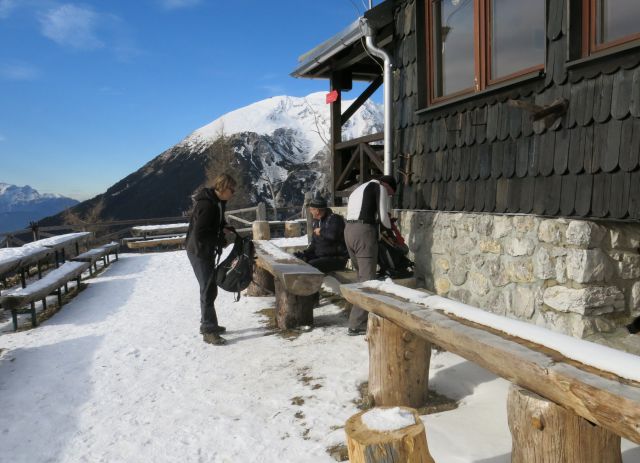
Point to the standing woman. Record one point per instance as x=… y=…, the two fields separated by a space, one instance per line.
x=205 y=238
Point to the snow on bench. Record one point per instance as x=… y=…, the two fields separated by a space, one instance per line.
x=597 y=383
x=16 y=299
x=170 y=228
x=14 y=259
x=93 y=255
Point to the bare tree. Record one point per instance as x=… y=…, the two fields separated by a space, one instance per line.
x=91 y=217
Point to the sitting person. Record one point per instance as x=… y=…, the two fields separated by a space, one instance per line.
x=327 y=251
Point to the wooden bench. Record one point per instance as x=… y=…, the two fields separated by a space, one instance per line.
x=17 y=298
x=171 y=240
x=93 y=255
x=153 y=230
x=581 y=409
x=296 y=284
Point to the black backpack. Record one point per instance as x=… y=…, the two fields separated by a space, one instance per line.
x=392 y=258
x=236 y=272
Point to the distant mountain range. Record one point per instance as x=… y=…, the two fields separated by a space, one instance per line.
x=275 y=146
x=20 y=205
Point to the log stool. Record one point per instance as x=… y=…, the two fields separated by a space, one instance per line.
x=398 y=434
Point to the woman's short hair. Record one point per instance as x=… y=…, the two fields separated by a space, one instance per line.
x=223 y=182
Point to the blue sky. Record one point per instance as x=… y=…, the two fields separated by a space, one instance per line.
x=92 y=90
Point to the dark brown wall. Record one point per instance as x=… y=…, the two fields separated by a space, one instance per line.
x=482 y=154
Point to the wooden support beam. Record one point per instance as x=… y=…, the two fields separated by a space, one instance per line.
x=348 y=168
x=373 y=156
x=370 y=90
x=599 y=397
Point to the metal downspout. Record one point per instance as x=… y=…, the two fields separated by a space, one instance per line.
x=388 y=93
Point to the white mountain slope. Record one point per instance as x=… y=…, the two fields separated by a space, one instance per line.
x=307 y=116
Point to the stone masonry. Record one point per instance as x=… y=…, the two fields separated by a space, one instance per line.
x=577 y=277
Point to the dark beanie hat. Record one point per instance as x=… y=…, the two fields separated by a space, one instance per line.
x=318 y=202
x=389 y=180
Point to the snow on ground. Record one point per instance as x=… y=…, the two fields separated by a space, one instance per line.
x=121 y=374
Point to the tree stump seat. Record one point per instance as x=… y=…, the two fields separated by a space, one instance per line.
x=295 y=283
x=17 y=298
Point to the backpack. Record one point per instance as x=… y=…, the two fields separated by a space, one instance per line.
x=392 y=254
x=235 y=272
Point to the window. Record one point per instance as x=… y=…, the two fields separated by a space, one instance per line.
x=473 y=44
x=608 y=23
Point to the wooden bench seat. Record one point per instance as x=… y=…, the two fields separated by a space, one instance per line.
x=93 y=255
x=295 y=282
x=171 y=240
x=16 y=299
x=155 y=230
x=604 y=399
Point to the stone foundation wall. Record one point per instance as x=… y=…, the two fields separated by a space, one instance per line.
x=577 y=277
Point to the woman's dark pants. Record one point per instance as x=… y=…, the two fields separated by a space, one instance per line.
x=205 y=272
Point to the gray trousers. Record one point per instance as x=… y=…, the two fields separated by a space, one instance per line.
x=206 y=275
x=362 y=243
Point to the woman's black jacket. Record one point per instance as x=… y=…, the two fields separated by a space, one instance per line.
x=206 y=227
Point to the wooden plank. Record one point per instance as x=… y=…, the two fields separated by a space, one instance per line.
x=634 y=196
x=621 y=96
x=626 y=137
x=450 y=202
x=600 y=140
x=576 y=158
x=619 y=196
x=586 y=148
x=634 y=104
x=297 y=277
x=454 y=163
x=490 y=195
x=634 y=154
x=552 y=195
x=509 y=154
x=534 y=156
x=460 y=195
x=611 y=154
x=364 y=96
x=527 y=192
x=599 y=397
x=540 y=192
x=469 y=195
x=522 y=156
x=584 y=190
x=561 y=158
x=502 y=193
x=547 y=152
x=484 y=160
x=465 y=161
x=602 y=98
x=497 y=150
x=600 y=194
x=568 y=195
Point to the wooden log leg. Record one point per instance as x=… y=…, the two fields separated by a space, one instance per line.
x=398 y=364
x=407 y=445
x=262 y=283
x=291 y=310
x=59 y=297
x=14 y=316
x=544 y=432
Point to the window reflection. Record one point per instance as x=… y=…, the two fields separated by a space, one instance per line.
x=453 y=58
x=517 y=36
x=616 y=19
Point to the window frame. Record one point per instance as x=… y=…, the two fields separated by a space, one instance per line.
x=482 y=21
x=590 y=45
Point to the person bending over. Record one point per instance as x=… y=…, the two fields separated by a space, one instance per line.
x=204 y=241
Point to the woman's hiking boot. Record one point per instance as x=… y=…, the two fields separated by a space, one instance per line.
x=214 y=338
x=218 y=329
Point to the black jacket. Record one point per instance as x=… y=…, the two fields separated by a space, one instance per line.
x=330 y=243
x=206 y=227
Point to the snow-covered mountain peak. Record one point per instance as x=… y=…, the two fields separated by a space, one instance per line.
x=308 y=116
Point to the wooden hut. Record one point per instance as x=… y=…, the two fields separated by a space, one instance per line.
x=517 y=142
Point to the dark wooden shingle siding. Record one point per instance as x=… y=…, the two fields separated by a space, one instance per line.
x=484 y=155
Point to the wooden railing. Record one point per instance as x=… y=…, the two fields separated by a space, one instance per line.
x=358 y=161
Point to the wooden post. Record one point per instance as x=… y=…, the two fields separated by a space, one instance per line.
x=544 y=432
x=407 y=445
x=398 y=364
x=291 y=229
x=307 y=215
x=261 y=230
x=291 y=310
x=261 y=212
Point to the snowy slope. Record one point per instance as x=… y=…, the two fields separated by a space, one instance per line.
x=307 y=116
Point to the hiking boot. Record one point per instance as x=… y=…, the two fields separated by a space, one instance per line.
x=356 y=331
x=214 y=338
x=218 y=329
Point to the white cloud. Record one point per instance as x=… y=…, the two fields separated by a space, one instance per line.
x=72 y=26
x=18 y=72
x=6 y=7
x=175 y=4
